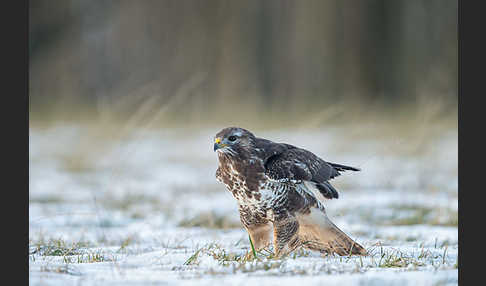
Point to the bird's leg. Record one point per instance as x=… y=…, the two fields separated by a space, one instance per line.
x=258 y=226
x=260 y=234
x=285 y=235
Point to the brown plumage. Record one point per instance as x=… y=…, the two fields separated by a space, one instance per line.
x=280 y=190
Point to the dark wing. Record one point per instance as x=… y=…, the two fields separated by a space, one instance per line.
x=342 y=168
x=292 y=163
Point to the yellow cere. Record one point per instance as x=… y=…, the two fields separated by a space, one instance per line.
x=217 y=140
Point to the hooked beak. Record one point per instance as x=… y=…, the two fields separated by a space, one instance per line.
x=218 y=144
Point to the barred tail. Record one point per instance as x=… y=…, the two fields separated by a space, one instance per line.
x=344 y=245
x=317 y=232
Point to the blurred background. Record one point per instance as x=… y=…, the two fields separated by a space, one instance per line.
x=275 y=63
x=126 y=96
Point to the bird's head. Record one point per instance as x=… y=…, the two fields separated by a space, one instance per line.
x=233 y=140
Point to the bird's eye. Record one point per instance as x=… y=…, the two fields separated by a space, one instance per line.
x=232 y=138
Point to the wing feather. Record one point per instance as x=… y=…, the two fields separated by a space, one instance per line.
x=284 y=162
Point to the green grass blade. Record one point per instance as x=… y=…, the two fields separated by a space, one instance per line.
x=252 y=247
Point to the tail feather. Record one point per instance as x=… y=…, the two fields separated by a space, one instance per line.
x=344 y=245
x=317 y=232
x=340 y=167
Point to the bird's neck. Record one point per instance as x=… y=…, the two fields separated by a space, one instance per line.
x=238 y=161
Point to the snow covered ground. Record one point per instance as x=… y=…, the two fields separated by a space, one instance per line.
x=144 y=208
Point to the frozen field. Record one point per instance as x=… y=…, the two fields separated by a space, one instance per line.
x=144 y=208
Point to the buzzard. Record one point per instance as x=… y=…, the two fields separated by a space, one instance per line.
x=280 y=190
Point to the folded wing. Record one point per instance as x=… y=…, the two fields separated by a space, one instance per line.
x=290 y=163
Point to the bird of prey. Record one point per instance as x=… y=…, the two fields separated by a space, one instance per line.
x=280 y=190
